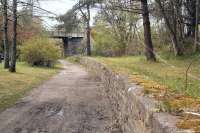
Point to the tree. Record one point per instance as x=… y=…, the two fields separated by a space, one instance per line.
x=70 y=22
x=197 y=27
x=132 y=6
x=190 y=16
x=119 y=5
x=122 y=25
x=5 y=34
x=147 y=32
x=86 y=15
x=14 y=43
x=86 y=4
x=171 y=23
x=26 y=28
x=88 y=31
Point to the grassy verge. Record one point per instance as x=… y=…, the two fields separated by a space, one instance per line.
x=165 y=81
x=171 y=73
x=14 y=85
x=73 y=59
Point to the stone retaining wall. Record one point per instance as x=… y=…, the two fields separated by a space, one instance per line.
x=133 y=112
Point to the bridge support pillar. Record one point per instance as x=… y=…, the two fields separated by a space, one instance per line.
x=66 y=46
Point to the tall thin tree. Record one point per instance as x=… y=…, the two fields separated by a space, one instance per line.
x=88 y=31
x=196 y=27
x=5 y=34
x=171 y=24
x=14 y=43
x=86 y=4
x=147 y=32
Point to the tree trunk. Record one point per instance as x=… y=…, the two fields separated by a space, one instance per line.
x=0 y=58
x=175 y=43
x=88 y=32
x=176 y=48
x=5 y=35
x=147 y=32
x=196 y=27
x=14 y=43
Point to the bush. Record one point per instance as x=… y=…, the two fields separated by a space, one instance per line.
x=40 y=51
x=108 y=43
x=104 y=43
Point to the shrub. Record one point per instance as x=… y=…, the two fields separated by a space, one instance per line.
x=109 y=43
x=40 y=51
x=104 y=43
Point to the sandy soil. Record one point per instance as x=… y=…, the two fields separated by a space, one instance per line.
x=70 y=102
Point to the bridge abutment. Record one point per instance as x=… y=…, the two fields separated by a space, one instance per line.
x=72 y=46
x=65 y=46
x=72 y=42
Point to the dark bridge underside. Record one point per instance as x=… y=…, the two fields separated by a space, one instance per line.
x=71 y=45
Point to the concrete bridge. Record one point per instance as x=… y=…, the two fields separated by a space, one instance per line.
x=72 y=42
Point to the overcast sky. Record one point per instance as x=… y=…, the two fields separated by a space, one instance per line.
x=58 y=7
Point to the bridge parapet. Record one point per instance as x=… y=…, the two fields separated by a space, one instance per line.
x=63 y=34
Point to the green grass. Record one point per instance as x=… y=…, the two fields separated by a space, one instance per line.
x=171 y=73
x=15 y=85
x=73 y=59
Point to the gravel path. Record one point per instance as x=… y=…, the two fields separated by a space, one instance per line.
x=70 y=102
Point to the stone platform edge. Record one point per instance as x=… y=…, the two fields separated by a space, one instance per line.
x=132 y=111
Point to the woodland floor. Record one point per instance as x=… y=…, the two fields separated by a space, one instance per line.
x=70 y=102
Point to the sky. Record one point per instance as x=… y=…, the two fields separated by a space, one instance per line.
x=58 y=7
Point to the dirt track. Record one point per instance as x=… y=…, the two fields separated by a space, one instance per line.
x=70 y=102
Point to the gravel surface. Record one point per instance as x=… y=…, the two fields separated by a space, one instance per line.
x=70 y=102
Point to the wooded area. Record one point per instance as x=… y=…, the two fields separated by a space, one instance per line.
x=153 y=45
x=20 y=23
x=169 y=24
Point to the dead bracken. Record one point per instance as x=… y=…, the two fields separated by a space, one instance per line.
x=174 y=103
